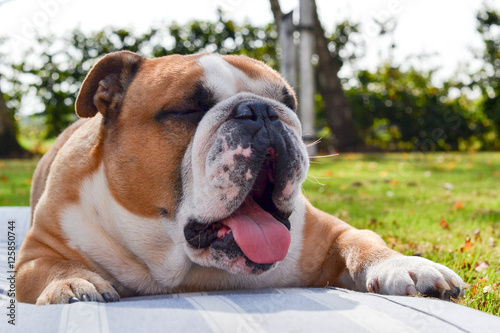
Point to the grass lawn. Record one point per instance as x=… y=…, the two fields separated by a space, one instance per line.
x=15 y=181
x=442 y=206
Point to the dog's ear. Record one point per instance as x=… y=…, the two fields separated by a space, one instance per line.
x=105 y=85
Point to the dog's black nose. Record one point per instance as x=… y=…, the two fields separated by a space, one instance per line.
x=254 y=111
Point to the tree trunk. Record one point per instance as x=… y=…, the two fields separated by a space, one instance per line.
x=277 y=13
x=9 y=147
x=337 y=110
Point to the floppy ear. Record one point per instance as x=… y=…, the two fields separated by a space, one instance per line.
x=105 y=85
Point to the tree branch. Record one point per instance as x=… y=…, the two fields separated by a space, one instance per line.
x=277 y=13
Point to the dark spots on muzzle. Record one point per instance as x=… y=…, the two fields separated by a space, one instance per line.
x=237 y=174
x=291 y=157
x=200 y=235
x=231 y=250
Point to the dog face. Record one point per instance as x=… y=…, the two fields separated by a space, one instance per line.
x=209 y=144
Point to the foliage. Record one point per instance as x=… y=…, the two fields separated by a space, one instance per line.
x=403 y=110
x=56 y=70
x=487 y=79
x=345 y=43
x=393 y=109
x=397 y=109
x=224 y=37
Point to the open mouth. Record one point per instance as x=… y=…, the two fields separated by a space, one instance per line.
x=256 y=231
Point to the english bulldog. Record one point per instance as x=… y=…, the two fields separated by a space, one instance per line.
x=185 y=175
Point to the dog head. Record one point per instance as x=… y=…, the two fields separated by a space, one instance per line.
x=209 y=144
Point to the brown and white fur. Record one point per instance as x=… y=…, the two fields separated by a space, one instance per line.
x=167 y=147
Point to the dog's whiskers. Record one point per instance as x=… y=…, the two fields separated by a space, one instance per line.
x=323 y=156
x=314 y=143
x=315 y=178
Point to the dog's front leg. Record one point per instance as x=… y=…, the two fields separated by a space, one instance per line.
x=337 y=254
x=44 y=276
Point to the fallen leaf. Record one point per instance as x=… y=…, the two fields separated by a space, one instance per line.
x=328 y=174
x=394 y=182
x=486 y=289
x=4 y=178
x=459 y=205
x=467 y=246
x=444 y=224
x=481 y=266
x=392 y=240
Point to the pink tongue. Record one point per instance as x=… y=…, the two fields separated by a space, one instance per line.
x=262 y=238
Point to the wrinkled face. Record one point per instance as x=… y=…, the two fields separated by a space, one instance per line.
x=243 y=169
x=224 y=130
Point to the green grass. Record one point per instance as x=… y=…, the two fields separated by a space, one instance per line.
x=36 y=146
x=442 y=206
x=15 y=181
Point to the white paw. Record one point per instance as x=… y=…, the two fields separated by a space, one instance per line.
x=91 y=287
x=404 y=275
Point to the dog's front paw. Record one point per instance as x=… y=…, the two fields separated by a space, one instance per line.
x=91 y=288
x=404 y=275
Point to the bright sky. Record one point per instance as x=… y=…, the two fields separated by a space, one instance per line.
x=446 y=28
